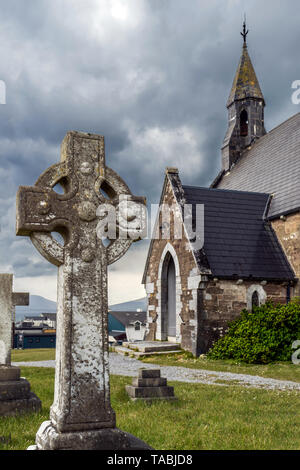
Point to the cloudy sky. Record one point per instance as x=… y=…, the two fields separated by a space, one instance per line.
x=152 y=76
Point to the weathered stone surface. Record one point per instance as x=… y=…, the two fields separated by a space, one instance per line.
x=9 y=373
x=20 y=298
x=101 y=439
x=150 y=392
x=19 y=406
x=82 y=394
x=150 y=386
x=14 y=389
x=15 y=395
x=160 y=382
x=8 y=300
x=149 y=373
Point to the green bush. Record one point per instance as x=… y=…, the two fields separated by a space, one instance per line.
x=262 y=336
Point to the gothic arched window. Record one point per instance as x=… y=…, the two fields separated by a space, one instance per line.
x=244 y=123
x=255 y=300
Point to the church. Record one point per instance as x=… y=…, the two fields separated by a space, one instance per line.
x=251 y=250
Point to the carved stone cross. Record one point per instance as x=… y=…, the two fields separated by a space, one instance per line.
x=81 y=410
x=8 y=302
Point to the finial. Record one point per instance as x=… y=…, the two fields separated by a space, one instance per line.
x=245 y=31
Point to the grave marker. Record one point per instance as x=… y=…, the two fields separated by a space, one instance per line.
x=81 y=415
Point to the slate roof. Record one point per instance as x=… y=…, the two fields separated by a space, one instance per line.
x=271 y=165
x=245 y=83
x=238 y=242
x=128 y=318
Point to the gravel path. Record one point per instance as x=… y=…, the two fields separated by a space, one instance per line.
x=127 y=366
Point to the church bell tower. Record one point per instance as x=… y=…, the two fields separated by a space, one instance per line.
x=245 y=110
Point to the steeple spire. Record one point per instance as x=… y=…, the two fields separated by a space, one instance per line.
x=245 y=83
x=245 y=109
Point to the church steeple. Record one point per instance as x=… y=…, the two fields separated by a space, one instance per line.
x=245 y=109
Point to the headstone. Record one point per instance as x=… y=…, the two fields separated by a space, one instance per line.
x=81 y=416
x=15 y=394
x=150 y=386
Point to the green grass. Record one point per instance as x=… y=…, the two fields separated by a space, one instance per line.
x=29 y=355
x=281 y=370
x=204 y=417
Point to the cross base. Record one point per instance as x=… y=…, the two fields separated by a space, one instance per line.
x=48 y=438
x=15 y=395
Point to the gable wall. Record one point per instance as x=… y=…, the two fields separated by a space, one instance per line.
x=288 y=233
x=186 y=285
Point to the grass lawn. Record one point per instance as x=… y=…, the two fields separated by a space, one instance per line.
x=29 y=355
x=204 y=417
x=281 y=370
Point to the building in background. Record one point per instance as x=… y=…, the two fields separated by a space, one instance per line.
x=251 y=249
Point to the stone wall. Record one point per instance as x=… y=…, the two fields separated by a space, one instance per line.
x=223 y=301
x=288 y=233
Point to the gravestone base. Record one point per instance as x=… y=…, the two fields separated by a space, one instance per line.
x=48 y=438
x=150 y=386
x=15 y=395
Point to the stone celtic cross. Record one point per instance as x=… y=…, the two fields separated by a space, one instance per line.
x=81 y=415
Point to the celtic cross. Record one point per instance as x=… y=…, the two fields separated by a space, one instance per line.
x=82 y=396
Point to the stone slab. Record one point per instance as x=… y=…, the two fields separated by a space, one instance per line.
x=8 y=373
x=14 y=390
x=152 y=346
x=20 y=298
x=159 y=382
x=149 y=373
x=25 y=405
x=48 y=438
x=131 y=352
x=149 y=392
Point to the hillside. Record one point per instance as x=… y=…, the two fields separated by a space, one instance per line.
x=40 y=305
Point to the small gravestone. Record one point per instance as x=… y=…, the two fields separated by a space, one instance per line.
x=81 y=416
x=15 y=394
x=150 y=386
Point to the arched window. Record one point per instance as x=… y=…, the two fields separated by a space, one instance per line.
x=255 y=300
x=244 y=123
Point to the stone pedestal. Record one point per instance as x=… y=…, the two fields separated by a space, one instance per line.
x=48 y=438
x=150 y=386
x=15 y=394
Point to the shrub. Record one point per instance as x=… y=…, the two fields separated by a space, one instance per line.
x=262 y=336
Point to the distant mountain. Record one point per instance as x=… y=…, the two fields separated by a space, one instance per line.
x=38 y=305
x=130 y=306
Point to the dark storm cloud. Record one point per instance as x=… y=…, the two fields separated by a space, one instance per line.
x=152 y=76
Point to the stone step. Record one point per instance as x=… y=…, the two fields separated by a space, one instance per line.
x=151 y=346
x=150 y=392
x=14 y=389
x=160 y=382
x=149 y=373
x=130 y=352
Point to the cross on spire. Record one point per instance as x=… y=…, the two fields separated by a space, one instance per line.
x=245 y=31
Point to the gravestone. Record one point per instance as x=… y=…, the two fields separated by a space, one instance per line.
x=15 y=394
x=81 y=416
x=149 y=385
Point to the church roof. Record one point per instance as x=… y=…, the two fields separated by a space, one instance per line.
x=245 y=83
x=271 y=165
x=238 y=242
